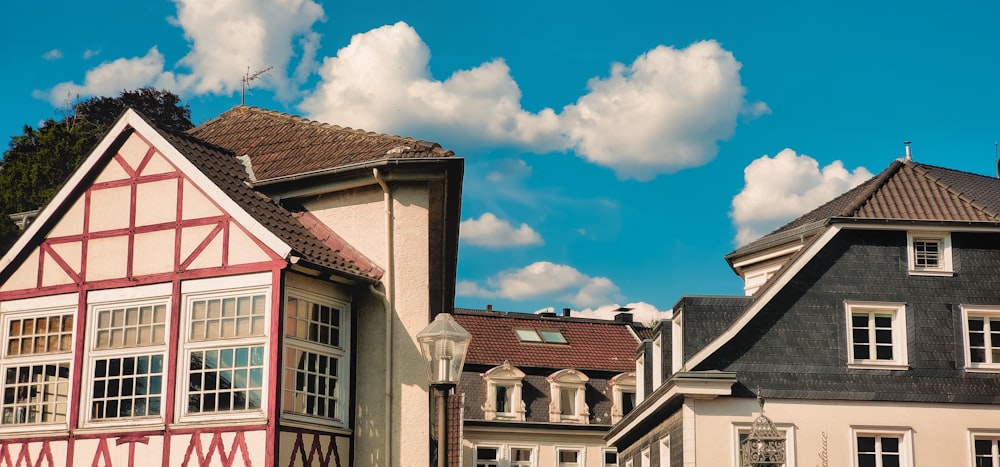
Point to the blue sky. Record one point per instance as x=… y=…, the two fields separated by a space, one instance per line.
x=614 y=154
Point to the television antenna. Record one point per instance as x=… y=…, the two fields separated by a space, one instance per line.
x=247 y=78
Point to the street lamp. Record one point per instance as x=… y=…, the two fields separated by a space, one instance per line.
x=444 y=343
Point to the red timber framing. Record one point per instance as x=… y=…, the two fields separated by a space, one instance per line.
x=143 y=221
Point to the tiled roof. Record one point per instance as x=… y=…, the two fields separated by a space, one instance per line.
x=591 y=344
x=906 y=190
x=325 y=250
x=281 y=145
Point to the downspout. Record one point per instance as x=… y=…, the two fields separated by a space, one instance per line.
x=390 y=298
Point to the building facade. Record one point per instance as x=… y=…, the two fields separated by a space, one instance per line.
x=244 y=294
x=542 y=390
x=867 y=332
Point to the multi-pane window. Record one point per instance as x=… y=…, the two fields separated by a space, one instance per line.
x=929 y=253
x=982 y=327
x=986 y=451
x=503 y=393
x=225 y=353
x=569 y=458
x=879 y=450
x=487 y=456
x=127 y=352
x=877 y=334
x=567 y=389
x=314 y=358
x=36 y=368
x=521 y=457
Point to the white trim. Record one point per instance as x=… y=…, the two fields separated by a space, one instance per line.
x=780 y=282
x=771 y=255
x=658 y=361
x=899 y=347
x=604 y=457
x=991 y=434
x=225 y=283
x=130 y=293
x=581 y=460
x=568 y=380
x=905 y=435
x=945 y=265
x=69 y=300
x=620 y=385
x=980 y=311
x=132 y=119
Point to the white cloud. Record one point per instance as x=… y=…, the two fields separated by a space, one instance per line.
x=489 y=231
x=664 y=112
x=778 y=189
x=110 y=78
x=226 y=37
x=545 y=280
x=642 y=312
x=90 y=53
x=54 y=54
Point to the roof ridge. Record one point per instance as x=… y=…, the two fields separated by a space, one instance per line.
x=925 y=170
x=310 y=122
x=866 y=194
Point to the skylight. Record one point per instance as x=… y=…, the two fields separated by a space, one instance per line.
x=547 y=336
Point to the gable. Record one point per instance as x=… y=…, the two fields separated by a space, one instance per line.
x=135 y=211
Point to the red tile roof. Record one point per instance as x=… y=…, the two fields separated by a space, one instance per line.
x=591 y=344
x=282 y=145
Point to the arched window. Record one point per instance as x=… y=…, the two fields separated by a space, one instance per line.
x=566 y=397
x=503 y=393
x=622 y=395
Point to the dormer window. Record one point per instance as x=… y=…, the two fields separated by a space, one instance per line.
x=622 y=396
x=503 y=393
x=541 y=336
x=567 y=403
x=929 y=253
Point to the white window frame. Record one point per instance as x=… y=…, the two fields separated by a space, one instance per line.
x=658 y=362
x=640 y=380
x=676 y=343
x=992 y=436
x=511 y=377
x=205 y=289
x=905 y=436
x=665 y=451
x=503 y=458
x=898 y=328
x=339 y=353
x=531 y=462
x=945 y=263
x=621 y=384
x=581 y=459
x=743 y=428
x=604 y=456
x=20 y=310
x=644 y=458
x=976 y=311
x=492 y=462
x=569 y=380
x=154 y=296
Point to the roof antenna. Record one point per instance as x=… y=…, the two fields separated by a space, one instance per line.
x=996 y=154
x=909 y=157
x=247 y=78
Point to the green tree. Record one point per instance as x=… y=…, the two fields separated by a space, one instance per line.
x=38 y=162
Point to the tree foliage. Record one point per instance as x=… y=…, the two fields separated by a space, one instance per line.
x=38 y=162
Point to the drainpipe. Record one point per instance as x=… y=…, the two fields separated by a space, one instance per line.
x=390 y=299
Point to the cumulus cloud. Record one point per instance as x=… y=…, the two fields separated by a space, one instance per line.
x=226 y=37
x=545 y=280
x=491 y=232
x=642 y=312
x=780 y=188
x=54 y=54
x=109 y=78
x=665 y=111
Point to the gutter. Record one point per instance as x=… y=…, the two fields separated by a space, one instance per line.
x=390 y=299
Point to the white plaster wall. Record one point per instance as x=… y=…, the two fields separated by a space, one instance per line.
x=940 y=432
x=544 y=442
x=359 y=217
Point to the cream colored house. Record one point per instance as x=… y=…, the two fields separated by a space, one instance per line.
x=868 y=330
x=245 y=294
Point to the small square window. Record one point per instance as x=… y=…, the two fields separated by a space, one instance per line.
x=569 y=458
x=929 y=253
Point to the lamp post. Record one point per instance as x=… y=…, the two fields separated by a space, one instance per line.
x=444 y=343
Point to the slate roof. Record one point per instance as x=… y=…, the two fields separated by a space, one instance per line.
x=591 y=344
x=319 y=247
x=282 y=145
x=905 y=191
x=706 y=317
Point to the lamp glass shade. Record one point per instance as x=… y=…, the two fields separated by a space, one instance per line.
x=444 y=344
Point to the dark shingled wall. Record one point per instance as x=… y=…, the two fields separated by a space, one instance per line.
x=797 y=346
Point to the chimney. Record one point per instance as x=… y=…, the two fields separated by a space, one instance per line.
x=489 y=307
x=623 y=318
x=565 y=313
x=909 y=156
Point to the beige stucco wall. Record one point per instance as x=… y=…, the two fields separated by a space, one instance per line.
x=359 y=217
x=544 y=442
x=939 y=433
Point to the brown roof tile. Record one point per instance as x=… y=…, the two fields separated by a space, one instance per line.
x=282 y=145
x=591 y=344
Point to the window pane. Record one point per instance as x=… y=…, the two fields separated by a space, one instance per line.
x=212 y=382
x=312 y=385
x=527 y=335
x=216 y=318
x=33 y=336
x=313 y=322
x=35 y=394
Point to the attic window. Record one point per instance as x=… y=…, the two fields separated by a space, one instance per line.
x=929 y=253
x=542 y=336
